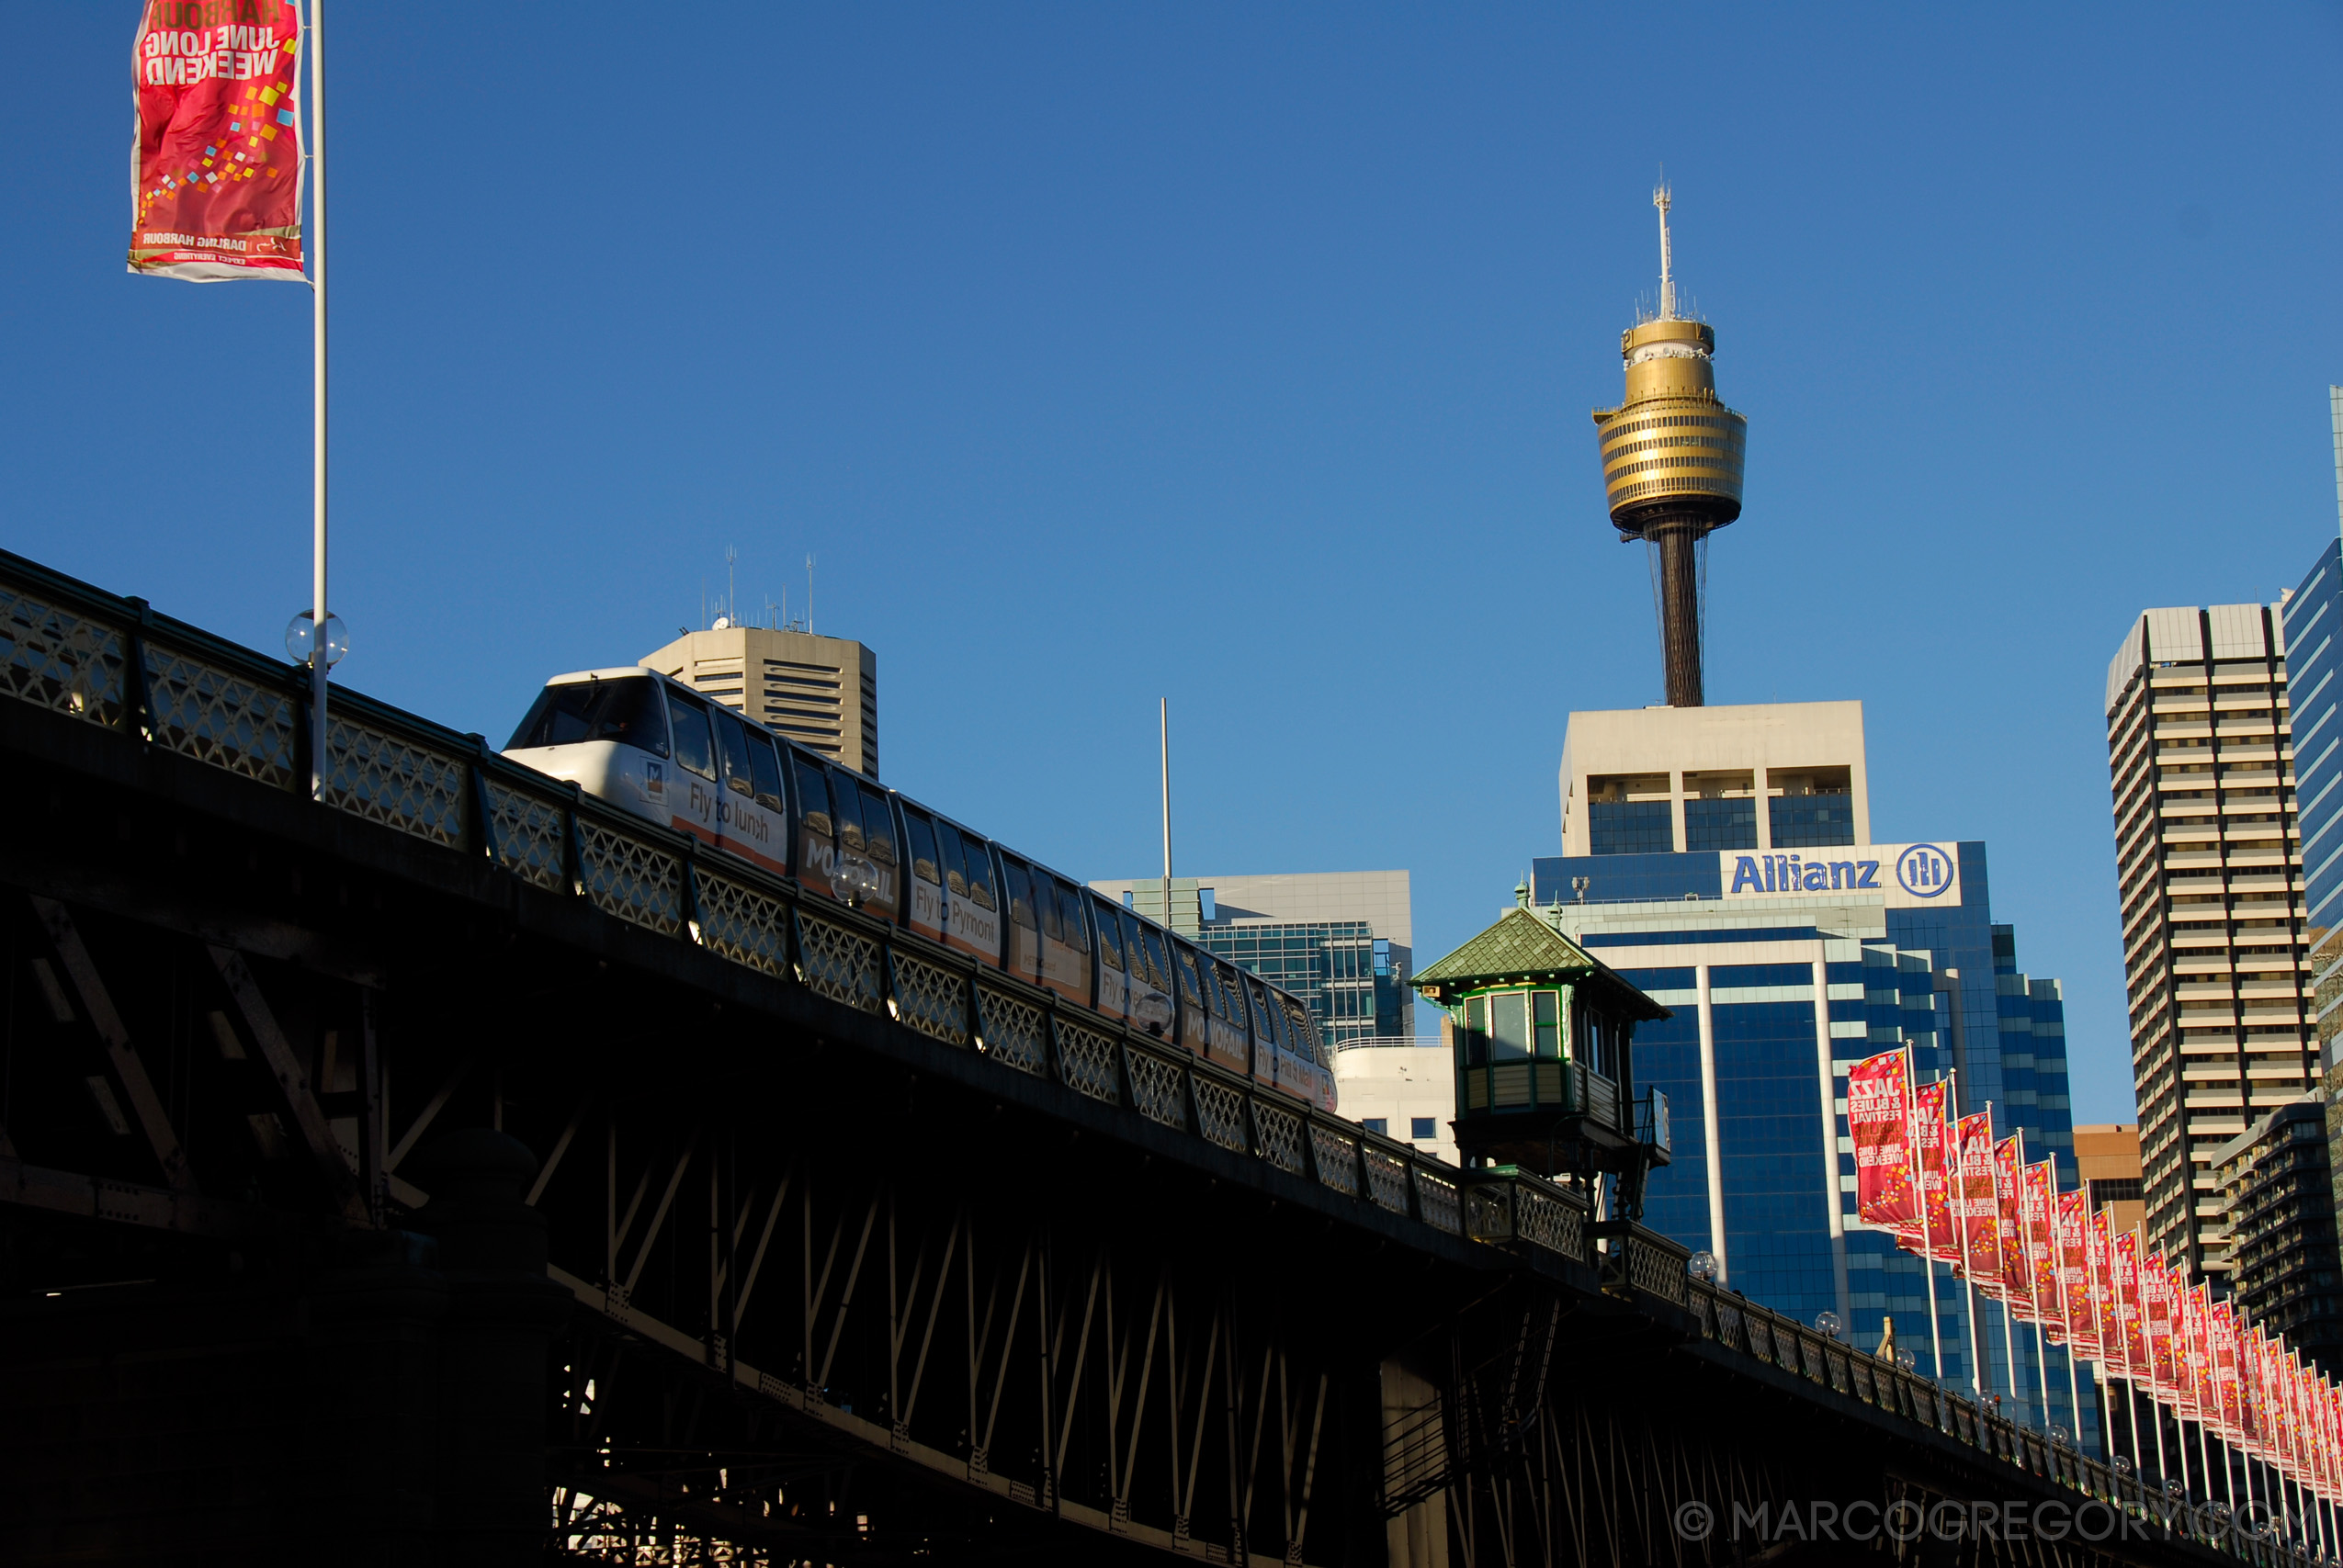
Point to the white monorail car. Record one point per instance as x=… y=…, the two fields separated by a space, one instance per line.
x=654 y=747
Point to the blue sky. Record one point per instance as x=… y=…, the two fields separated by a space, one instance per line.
x=1243 y=354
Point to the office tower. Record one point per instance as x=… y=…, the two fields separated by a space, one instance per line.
x=1671 y=465
x=2276 y=1192
x=1722 y=859
x=821 y=692
x=2106 y=1158
x=1405 y=1090
x=1340 y=941
x=2200 y=761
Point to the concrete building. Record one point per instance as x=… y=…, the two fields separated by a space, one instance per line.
x=1721 y=860
x=2275 y=1187
x=1757 y=776
x=2208 y=867
x=1407 y=1092
x=2107 y=1160
x=1340 y=941
x=821 y=692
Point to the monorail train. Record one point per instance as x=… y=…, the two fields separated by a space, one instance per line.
x=654 y=747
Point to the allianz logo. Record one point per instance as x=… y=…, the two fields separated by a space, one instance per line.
x=1923 y=870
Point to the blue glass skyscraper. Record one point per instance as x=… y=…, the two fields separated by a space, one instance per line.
x=1788 y=954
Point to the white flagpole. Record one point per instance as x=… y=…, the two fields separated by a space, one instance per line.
x=1919 y=1196
x=316 y=239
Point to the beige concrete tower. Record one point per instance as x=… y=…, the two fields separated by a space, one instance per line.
x=2208 y=856
x=1672 y=464
x=821 y=692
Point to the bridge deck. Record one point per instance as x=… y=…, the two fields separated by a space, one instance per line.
x=832 y=1244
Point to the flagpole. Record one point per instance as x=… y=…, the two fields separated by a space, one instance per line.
x=1958 y=1182
x=317 y=663
x=1919 y=1196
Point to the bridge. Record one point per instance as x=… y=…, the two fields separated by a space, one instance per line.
x=451 y=1168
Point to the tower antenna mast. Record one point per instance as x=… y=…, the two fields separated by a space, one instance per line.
x=1659 y=198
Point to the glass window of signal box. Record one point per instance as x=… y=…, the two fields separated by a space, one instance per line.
x=1512 y=1026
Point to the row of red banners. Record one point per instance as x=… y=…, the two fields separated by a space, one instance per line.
x=1951 y=1191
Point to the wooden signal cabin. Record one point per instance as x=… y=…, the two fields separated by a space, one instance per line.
x=1543 y=1034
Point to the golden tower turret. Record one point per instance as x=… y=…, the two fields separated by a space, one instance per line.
x=1672 y=464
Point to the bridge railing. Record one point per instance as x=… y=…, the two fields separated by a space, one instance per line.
x=114 y=664
x=1768 y=1336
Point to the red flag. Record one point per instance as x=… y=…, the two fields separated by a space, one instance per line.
x=1939 y=1238
x=216 y=173
x=2222 y=1323
x=2038 y=1214
x=1975 y=1210
x=2156 y=1308
x=1879 y=1118
x=2016 y=1277
x=2124 y=1263
x=2106 y=1297
x=2075 y=1276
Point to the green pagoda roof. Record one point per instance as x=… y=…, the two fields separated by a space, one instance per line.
x=1523 y=947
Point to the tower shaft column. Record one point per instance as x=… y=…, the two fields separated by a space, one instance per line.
x=1677 y=540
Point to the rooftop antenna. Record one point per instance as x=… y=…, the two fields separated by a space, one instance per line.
x=808 y=595
x=1164 y=718
x=1659 y=198
x=731 y=604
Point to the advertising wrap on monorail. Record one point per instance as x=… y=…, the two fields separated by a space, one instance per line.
x=216 y=171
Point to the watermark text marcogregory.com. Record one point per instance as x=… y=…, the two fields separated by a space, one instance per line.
x=2152 y=1518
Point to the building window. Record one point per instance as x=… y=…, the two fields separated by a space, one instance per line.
x=1720 y=824
x=1631 y=828
x=1423 y=1127
x=1812 y=821
x=1377 y=1124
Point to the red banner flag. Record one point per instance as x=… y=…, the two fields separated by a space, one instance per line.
x=2229 y=1408
x=2124 y=1264
x=2188 y=1366
x=2038 y=1217
x=2106 y=1299
x=216 y=173
x=2075 y=1276
x=2155 y=1313
x=2017 y=1279
x=1939 y=1238
x=1975 y=1210
x=1879 y=1118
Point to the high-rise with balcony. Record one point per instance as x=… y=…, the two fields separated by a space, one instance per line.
x=2209 y=861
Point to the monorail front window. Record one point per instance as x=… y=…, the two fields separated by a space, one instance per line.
x=879 y=827
x=921 y=835
x=979 y=874
x=1020 y=881
x=625 y=710
x=813 y=796
x=694 y=749
x=955 y=877
x=1110 y=943
x=1070 y=917
x=732 y=740
x=765 y=771
x=847 y=812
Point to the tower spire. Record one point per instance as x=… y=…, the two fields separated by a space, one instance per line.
x=1659 y=198
x=1672 y=464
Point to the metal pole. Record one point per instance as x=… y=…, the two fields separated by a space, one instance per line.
x=2009 y=1349
x=1163 y=715
x=317 y=659
x=1919 y=1196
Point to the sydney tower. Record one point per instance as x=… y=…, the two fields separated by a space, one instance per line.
x=1671 y=465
